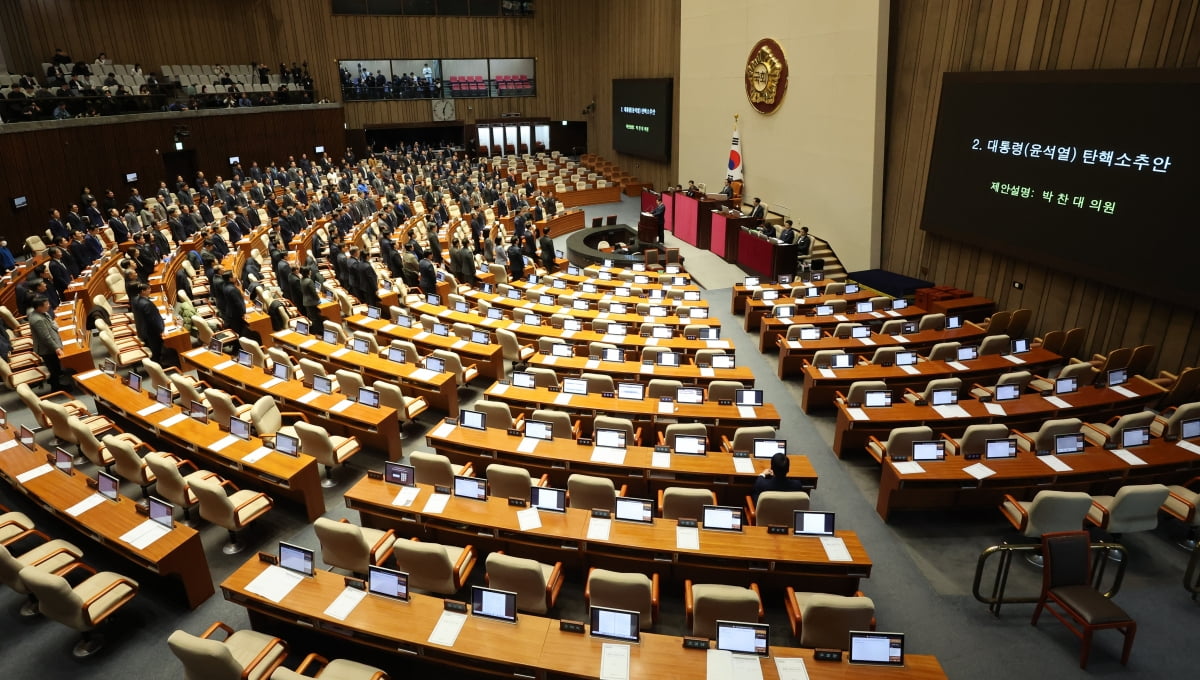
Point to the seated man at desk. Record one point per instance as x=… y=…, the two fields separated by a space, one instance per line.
x=621 y=249
x=776 y=479
x=804 y=243
x=759 y=211
x=727 y=190
x=788 y=235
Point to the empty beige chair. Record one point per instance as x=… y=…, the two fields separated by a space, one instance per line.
x=1168 y=422
x=330 y=450
x=1134 y=508
x=1083 y=372
x=268 y=419
x=309 y=369
x=13 y=378
x=338 y=669
x=596 y=349
x=73 y=406
x=123 y=355
x=835 y=288
x=58 y=416
x=233 y=512
x=128 y=464
x=463 y=331
x=369 y=338
x=499 y=272
x=512 y=349
x=899 y=442
x=433 y=567
x=1048 y=512
x=351 y=547
x=170 y=484
x=974 y=439
x=251 y=347
x=932 y=322
x=633 y=437
x=667 y=437
x=188 y=391
x=844 y=330
x=881 y=302
x=926 y=395
x=82 y=607
x=1043 y=439
x=51 y=555
x=705 y=603
x=435 y=469
x=1019 y=378
x=408 y=407
x=14 y=526
x=536 y=584
x=892 y=327
x=723 y=390
x=242 y=655
x=944 y=351
x=824 y=621
x=823 y=358
x=278 y=356
x=496 y=413
x=348 y=382
x=92 y=448
x=543 y=377
x=628 y=591
x=660 y=387
x=589 y=493
x=465 y=373
x=224 y=407
x=857 y=394
x=886 y=356
x=678 y=502
x=560 y=423
x=508 y=481
x=337 y=329
x=599 y=383
x=743 y=437
x=1109 y=434
x=545 y=344
x=776 y=508
x=995 y=344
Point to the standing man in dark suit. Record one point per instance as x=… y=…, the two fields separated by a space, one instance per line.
x=516 y=260
x=58 y=270
x=428 y=275
x=148 y=321
x=660 y=218
x=368 y=280
x=119 y=230
x=57 y=228
x=546 y=244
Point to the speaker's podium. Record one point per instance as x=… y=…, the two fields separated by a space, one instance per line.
x=647 y=228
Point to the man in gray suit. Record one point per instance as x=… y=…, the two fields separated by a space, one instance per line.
x=46 y=342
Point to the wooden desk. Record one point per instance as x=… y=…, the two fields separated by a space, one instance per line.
x=19 y=274
x=1026 y=413
x=945 y=485
x=561 y=458
x=688 y=373
x=819 y=388
x=632 y=319
x=488 y=359
x=534 y=647
x=693 y=219
x=375 y=428
x=771 y=560
x=440 y=390
x=592 y=276
x=756 y=310
x=572 y=198
x=562 y=223
x=765 y=257
x=793 y=353
x=970 y=308
x=574 y=291
x=770 y=328
x=725 y=228
x=179 y=554
x=281 y=476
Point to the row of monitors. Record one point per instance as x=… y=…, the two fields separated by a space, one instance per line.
x=740 y=637
x=1073 y=442
x=107 y=485
x=637 y=391
x=1008 y=392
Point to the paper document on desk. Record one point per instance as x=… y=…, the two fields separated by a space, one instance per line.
x=707 y=372
x=308 y=343
x=86 y=504
x=222 y=443
x=527 y=445
x=405 y=498
x=1013 y=358
x=613 y=339
x=345 y=603
x=866 y=341
x=424 y=374
x=256 y=455
x=35 y=472
x=911 y=370
x=1188 y=446
x=892 y=313
x=979 y=471
x=857 y=414
x=614 y=661
x=562 y=398
x=660 y=459
x=900 y=339
x=499 y=388
x=421 y=335
x=1124 y=391
x=790 y=668
x=666 y=407
x=309 y=396
x=687 y=538
x=442 y=431
x=995 y=409
x=87 y=375
x=152 y=408
x=1057 y=402
x=592 y=363
x=1055 y=463
x=716 y=344
x=840 y=317
x=529 y=519
x=568 y=334
x=647 y=368
x=908 y=467
x=146 y=533
x=743 y=466
x=651 y=342
x=785 y=320
x=270 y=383
x=341 y=406
x=602 y=454
x=957 y=365
x=448 y=627
x=746 y=411
x=4 y=446
x=436 y=504
x=459 y=344
x=1128 y=456
x=835 y=549
x=951 y=411
x=339 y=352
x=794 y=344
x=826 y=373
x=173 y=420
x=723 y=665
x=550 y=360
x=598 y=529
x=388 y=327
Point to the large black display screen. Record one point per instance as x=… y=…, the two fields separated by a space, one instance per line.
x=642 y=117
x=1089 y=172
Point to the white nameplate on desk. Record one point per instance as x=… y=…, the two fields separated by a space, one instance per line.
x=423 y=374
x=877 y=315
x=499 y=388
x=687 y=538
x=908 y=467
x=152 y=408
x=787 y=320
x=957 y=365
x=1128 y=456
x=436 y=504
x=951 y=411
x=1013 y=358
x=86 y=504
x=223 y=442
x=405 y=498
x=528 y=445
x=1124 y=392
x=550 y=359
x=446 y=631
x=746 y=412
x=195 y=352
x=421 y=335
x=866 y=341
x=601 y=454
x=647 y=368
x=1057 y=402
x=592 y=363
x=707 y=372
x=979 y=471
x=911 y=370
x=840 y=317
x=270 y=383
x=341 y=406
x=666 y=407
x=173 y=420
x=459 y=344
x=562 y=399
x=857 y=414
x=900 y=339
x=1189 y=446
x=835 y=549
x=443 y=430
x=717 y=344
x=224 y=365
x=307 y=397
x=339 y=352
x=1055 y=463
x=87 y=375
x=598 y=529
x=344 y=603
x=994 y=409
x=660 y=459
x=4 y=446
x=256 y=455
x=34 y=473
x=529 y=519
x=274 y=583
x=651 y=342
x=389 y=327
x=308 y=343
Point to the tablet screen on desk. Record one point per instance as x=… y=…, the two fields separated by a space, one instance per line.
x=1068 y=443
x=634 y=391
x=616 y=308
x=906 y=358
x=387 y=582
x=641 y=279
x=612 y=354
x=302 y=327
x=1190 y=428
x=472 y=420
x=461 y=307
x=1007 y=392
x=574 y=385
x=572 y=325
x=440 y=329
x=135 y=382
x=373 y=312
x=162 y=512
x=842 y=360
x=710 y=333
x=862 y=306
x=860 y=331
x=689 y=395
x=899 y=303
x=287 y=444
x=581 y=305
x=880 y=649
x=360 y=345
x=748 y=397
x=615 y=624
x=662 y=332
x=1000 y=448
x=617 y=329
x=532 y=320
x=404 y=321
x=162 y=395
x=25 y=436
x=63 y=460
x=297 y=559
x=635 y=510
x=368 y=397
x=244 y=358
x=723 y=518
x=691 y=295
x=474 y=488
x=967 y=353
x=750 y=281
x=561 y=349
x=399 y=473
x=669 y=359
x=494 y=604
x=1066 y=385
x=548 y=498
x=323 y=384
x=823 y=310
x=851 y=288
x=657 y=311
x=744 y=638
x=1135 y=436
x=396 y=354
x=609 y=439
x=812 y=523
x=724 y=361
x=1020 y=345
x=766 y=448
x=944 y=397
x=953 y=322
x=768 y=295
x=929 y=450
x=690 y=444
x=523 y=379
x=877 y=398
x=435 y=364
x=539 y=429
x=239 y=427
x=433 y=299
x=481 y=337
x=1117 y=376
x=558 y=284
x=784 y=311
x=108 y=485
x=198 y=412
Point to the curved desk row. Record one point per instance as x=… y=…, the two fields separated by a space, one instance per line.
x=794 y=353
x=636 y=371
x=771 y=329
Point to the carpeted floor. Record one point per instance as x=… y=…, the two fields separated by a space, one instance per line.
x=921 y=582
